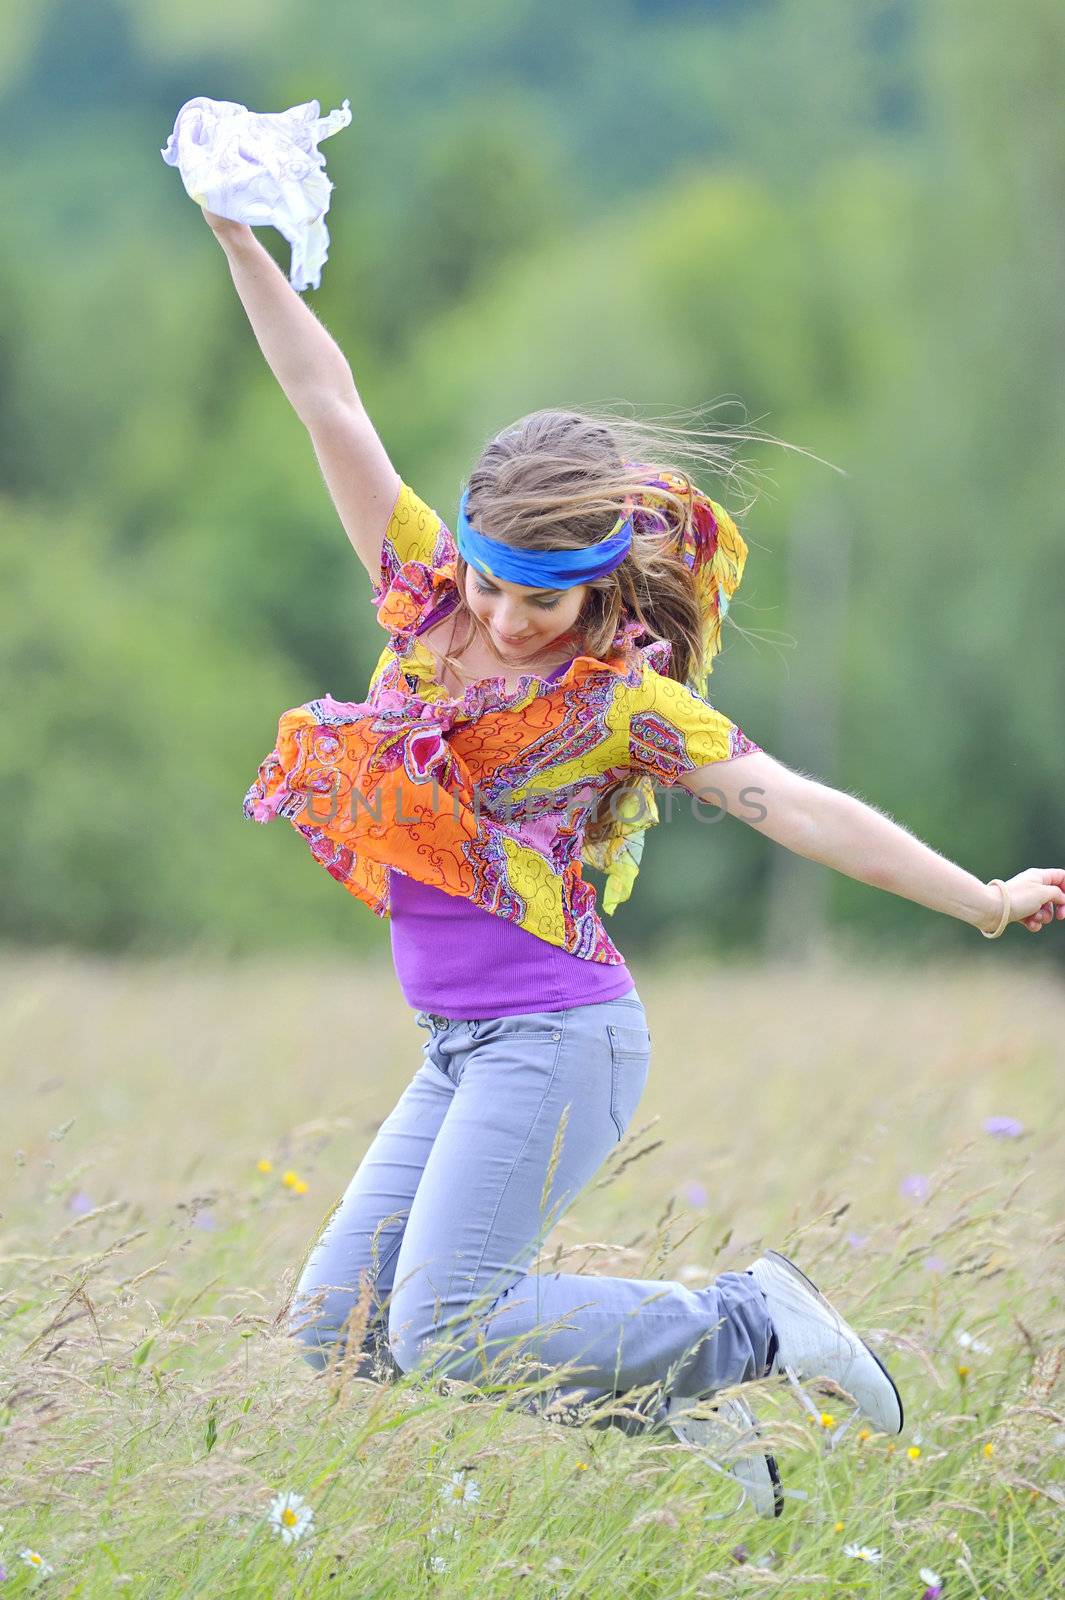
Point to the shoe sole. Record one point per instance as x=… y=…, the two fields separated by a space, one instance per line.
x=775 y=1485
x=783 y=1261
x=751 y=1482
x=755 y=1490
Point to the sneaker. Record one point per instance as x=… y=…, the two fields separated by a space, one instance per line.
x=731 y=1431
x=813 y=1341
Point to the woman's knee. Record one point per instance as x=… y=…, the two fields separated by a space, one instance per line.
x=404 y=1340
x=413 y=1338
x=422 y=1333
x=313 y=1330
x=324 y=1335
x=316 y=1352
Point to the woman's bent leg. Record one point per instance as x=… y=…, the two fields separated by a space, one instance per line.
x=362 y=1235
x=540 y=1101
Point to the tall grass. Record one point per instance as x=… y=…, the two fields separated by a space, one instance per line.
x=153 y=1407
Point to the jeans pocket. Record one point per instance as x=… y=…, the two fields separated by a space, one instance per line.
x=630 y=1058
x=528 y=1028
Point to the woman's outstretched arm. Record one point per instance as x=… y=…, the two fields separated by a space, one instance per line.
x=824 y=824
x=315 y=375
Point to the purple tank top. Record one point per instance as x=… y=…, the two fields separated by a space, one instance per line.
x=457 y=960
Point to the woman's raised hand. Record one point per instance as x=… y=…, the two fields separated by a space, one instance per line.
x=224 y=227
x=1037 y=896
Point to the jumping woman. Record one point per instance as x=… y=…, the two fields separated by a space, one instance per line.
x=545 y=671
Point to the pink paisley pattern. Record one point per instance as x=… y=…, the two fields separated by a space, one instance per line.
x=487 y=795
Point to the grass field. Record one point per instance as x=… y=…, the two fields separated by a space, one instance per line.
x=153 y=1410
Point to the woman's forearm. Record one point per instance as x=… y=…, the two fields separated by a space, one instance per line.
x=307 y=363
x=843 y=832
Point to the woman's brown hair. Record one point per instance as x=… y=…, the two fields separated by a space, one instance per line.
x=557 y=480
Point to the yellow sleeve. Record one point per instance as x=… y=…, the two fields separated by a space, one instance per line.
x=673 y=731
x=414 y=533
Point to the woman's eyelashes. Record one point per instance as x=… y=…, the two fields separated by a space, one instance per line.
x=542 y=605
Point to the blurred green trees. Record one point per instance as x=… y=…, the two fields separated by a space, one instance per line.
x=850 y=218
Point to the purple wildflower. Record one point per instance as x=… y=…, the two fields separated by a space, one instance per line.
x=915 y=1186
x=1003 y=1127
x=80 y=1202
x=857 y=1241
x=934 y=1264
x=695 y=1194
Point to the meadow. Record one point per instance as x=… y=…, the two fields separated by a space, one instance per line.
x=176 y=1131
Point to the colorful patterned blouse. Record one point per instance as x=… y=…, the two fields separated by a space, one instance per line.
x=487 y=796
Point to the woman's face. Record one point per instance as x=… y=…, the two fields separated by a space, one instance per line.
x=522 y=623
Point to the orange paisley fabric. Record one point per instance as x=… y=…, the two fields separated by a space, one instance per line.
x=487 y=796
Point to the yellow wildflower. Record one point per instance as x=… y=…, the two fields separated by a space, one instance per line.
x=963 y=1372
x=299 y=1187
x=264 y=1165
x=827 y=1420
x=863 y=1434
x=582 y=1466
x=838 y=1528
x=989 y=1448
x=289 y=1178
x=914 y=1451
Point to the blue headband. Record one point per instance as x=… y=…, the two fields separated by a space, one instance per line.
x=544 y=569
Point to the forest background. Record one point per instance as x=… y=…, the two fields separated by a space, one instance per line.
x=848 y=218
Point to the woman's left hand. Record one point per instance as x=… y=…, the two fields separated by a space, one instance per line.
x=1030 y=902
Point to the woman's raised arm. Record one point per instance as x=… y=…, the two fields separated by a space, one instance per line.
x=314 y=374
x=838 y=830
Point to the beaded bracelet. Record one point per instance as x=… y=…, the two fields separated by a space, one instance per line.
x=1006 y=908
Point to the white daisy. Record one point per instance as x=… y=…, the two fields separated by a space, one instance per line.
x=461 y=1490
x=932 y=1579
x=968 y=1342
x=437 y=1564
x=37 y=1562
x=291 y=1516
x=861 y=1552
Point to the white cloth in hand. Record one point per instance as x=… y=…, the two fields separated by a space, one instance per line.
x=261 y=167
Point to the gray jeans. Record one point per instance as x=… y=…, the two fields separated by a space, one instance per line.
x=500 y=1128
